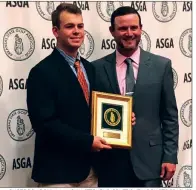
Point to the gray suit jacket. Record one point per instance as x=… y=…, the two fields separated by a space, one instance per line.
x=155 y=135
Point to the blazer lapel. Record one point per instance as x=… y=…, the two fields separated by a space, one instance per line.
x=64 y=68
x=143 y=72
x=88 y=72
x=110 y=68
x=66 y=73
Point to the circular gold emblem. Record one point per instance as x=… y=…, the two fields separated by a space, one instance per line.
x=112 y=117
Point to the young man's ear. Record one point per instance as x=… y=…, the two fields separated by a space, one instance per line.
x=55 y=31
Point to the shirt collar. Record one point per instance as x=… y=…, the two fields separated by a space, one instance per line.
x=68 y=57
x=121 y=58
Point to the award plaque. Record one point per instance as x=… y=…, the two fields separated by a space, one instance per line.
x=111 y=118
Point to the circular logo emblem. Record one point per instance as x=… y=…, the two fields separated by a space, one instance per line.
x=164 y=11
x=186 y=113
x=2 y=166
x=18 y=44
x=106 y=8
x=19 y=126
x=185 y=42
x=184 y=178
x=1 y=85
x=175 y=77
x=145 y=42
x=45 y=9
x=87 y=47
x=112 y=117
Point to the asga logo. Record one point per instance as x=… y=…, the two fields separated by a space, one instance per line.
x=21 y=4
x=184 y=178
x=187 y=145
x=187 y=77
x=106 y=8
x=48 y=43
x=21 y=163
x=145 y=42
x=164 y=11
x=165 y=43
x=1 y=85
x=16 y=84
x=83 y=5
x=187 y=6
x=18 y=125
x=185 y=42
x=18 y=43
x=45 y=9
x=186 y=113
x=108 y=44
x=87 y=47
x=2 y=166
x=139 y=5
x=175 y=78
x=168 y=183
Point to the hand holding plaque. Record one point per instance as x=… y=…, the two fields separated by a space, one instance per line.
x=99 y=144
x=111 y=118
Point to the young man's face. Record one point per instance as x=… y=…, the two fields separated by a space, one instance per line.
x=71 y=31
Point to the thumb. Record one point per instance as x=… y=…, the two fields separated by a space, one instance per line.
x=162 y=171
x=103 y=141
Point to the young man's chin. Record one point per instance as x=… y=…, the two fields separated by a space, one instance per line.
x=75 y=46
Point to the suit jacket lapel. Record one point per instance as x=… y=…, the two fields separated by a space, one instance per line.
x=90 y=78
x=144 y=70
x=110 y=68
x=66 y=72
x=64 y=68
x=88 y=71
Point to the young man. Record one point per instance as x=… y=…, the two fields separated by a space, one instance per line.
x=153 y=156
x=58 y=98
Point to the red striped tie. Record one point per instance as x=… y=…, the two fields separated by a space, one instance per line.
x=82 y=80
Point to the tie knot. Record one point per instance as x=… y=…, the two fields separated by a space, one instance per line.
x=128 y=61
x=77 y=64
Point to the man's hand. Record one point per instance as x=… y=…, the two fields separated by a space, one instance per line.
x=167 y=171
x=99 y=144
x=133 y=118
